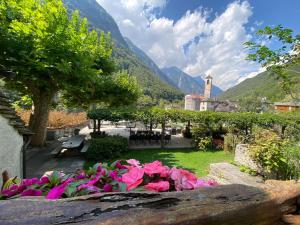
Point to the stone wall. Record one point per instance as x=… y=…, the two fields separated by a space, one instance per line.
x=11 y=143
x=242 y=157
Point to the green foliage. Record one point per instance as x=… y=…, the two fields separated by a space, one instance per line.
x=151 y=85
x=25 y=102
x=204 y=143
x=274 y=155
x=231 y=141
x=277 y=60
x=47 y=49
x=248 y=170
x=50 y=51
x=107 y=147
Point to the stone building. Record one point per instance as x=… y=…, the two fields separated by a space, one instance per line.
x=14 y=137
x=205 y=102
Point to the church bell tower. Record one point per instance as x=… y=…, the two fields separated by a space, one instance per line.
x=208 y=87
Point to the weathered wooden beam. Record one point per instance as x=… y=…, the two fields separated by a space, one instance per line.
x=222 y=205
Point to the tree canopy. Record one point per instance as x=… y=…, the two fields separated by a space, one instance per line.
x=48 y=50
x=277 y=60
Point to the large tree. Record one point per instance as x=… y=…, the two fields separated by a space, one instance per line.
x=278 y=50
x=45 y=50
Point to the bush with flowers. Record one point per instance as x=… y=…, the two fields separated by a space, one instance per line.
x=116 y=177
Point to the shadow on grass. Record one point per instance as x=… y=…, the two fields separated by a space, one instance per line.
x=169 y=157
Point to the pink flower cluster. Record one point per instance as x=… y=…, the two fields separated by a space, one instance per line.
x=108 y=178
x=157 y=177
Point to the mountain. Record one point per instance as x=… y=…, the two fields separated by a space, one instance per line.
x=149 y=62
x=97 y=17
x=126 y=55
x=263 y=85
x=187 y=83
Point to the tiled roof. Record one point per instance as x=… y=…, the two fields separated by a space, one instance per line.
x=195 y=96
x=9 y=113
x=287 y=104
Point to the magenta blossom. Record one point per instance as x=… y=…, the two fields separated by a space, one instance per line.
x=120 y=166
x=134 y=163
x=31 y=192
x=133 y=178
x=183 y=179
x=156 y=167
x=107 y=188
x=58 y=191
x=114 y=175
x=80 y=176
x=43 y=180
x=29 y=182
x=158 y=187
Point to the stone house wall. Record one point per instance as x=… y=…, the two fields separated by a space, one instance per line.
x=11 y=143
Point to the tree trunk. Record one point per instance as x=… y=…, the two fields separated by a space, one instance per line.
x=99 y=126
x=162 y=137
x=94 y=128
x=39 y=120
x=151 y=125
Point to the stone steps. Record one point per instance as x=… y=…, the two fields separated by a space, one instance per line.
x=226 y=173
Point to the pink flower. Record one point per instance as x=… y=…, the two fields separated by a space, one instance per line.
x=80 y=176
x=43 y=180
x=13 y=190
x=212 y=183
x=120 y=166
x=99 y=169
x=29 y=182
x=159 y=186
x=202 y=183
x=134 y=163
x=114 y=175
x=107 y=188
x=133 y=178
x=184 y=180
x=32 y=192
x=156 y=167
x=58 y=191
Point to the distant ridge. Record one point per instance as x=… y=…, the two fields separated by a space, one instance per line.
x=263 y=85
x=187 y=83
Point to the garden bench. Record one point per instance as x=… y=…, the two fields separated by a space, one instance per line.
x=74 y=142
x=85 y=147
x=57 y=150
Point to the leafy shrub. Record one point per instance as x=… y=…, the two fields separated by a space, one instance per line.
x=275 y=155
x=204 y=143
x=292 y=154
x=231 y=141
x=107 y=147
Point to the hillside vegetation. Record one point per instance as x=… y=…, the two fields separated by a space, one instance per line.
x=127 y=56
x=263 y=85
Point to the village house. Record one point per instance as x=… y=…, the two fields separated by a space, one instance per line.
x=14 y=137
x=205 y=102
x=286 y=106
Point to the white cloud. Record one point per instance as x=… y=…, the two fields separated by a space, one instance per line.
x=194 y=43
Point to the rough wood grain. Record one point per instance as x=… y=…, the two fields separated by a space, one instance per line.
x=232 y=204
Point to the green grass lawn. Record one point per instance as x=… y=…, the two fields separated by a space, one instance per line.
x=194 y=161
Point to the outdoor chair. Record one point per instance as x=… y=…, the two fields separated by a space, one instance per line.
x=168 y=138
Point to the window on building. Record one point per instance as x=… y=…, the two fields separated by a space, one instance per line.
x=207 y=81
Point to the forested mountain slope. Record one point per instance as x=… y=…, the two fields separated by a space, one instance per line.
x=263 y=85
x=150 y=80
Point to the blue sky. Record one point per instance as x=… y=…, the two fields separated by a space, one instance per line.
x=271 y=12
x=201 y=36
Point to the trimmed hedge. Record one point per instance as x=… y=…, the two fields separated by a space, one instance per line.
x=107 y=147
